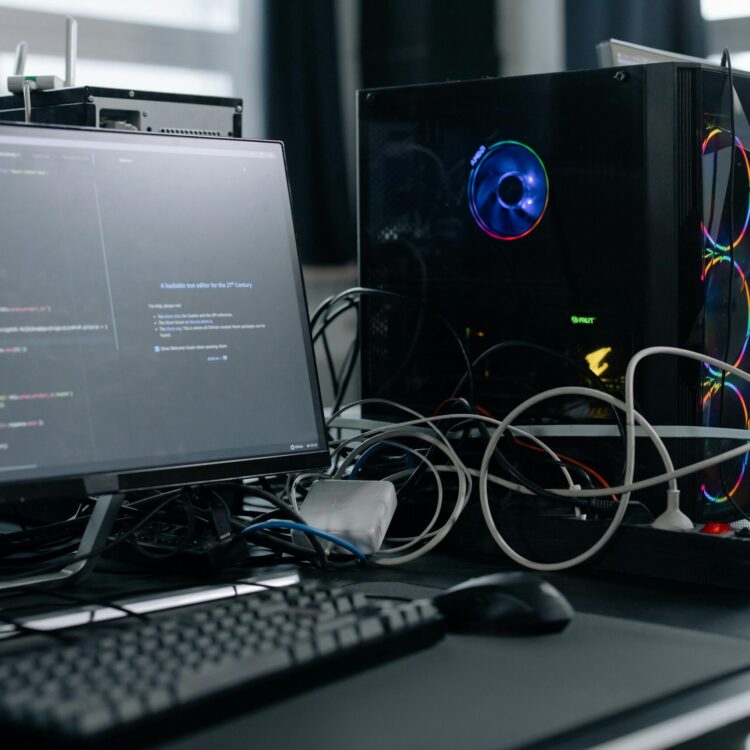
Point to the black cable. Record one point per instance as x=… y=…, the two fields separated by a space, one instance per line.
x=26 y=630
x=538 y=490
x=543 y=457
x=405 y=360
x=359 y=292
x=62 y=562
x=519 y=477
x=130 y=504
x=419 y=472
x=321 y=334
x=286 y=509
x=324 y=309
x=349 y=364
x=519 y=344
x=331 y=316
x=277 y=543
x=270 y=540
x=269 y=515
x=329 y=360
x=25 y=559
x=27 y=537
x=187 y=538
x=72 y=598
x=265 y=484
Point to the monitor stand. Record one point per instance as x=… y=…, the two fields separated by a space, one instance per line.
x=93 y=541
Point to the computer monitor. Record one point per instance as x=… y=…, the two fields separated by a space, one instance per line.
x=153 y=322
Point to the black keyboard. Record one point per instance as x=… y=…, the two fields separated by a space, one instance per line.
x=192 y=663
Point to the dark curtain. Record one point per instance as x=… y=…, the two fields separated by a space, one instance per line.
x=303 y=109
x=422 y=41
x=402 y=41
x=671 y=25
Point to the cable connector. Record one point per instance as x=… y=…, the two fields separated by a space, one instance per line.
x=16 y=84
x=19 y=83
x=673 y=519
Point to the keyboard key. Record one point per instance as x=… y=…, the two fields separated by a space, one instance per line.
x=229 y=674
x=371 y=628
x=348 y=637
x=95 y=719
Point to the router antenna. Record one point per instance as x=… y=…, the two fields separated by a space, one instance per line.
x=20 y=58
x=71 y=50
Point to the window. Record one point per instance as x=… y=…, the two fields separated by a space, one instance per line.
x=207 y=47
x=728 y=25
x=714 y=10
x=203 y=15
x=127 y=75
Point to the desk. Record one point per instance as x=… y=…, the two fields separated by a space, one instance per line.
x=636 y=654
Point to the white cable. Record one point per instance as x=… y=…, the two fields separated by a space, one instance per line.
x=385 y=429
x=381 y=401
x=28 y=85
x=376 y=436
x=429 y=421
x=534 y=439
x=673 y=514
x=427 y=532
x=628 y=486
x=604 y=492
x=643 y=484
x=462 y=495
x=630 y=387
x=339 y=473
x=621 y=505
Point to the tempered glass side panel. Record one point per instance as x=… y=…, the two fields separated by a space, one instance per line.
x=726 y=265
x=513 y=207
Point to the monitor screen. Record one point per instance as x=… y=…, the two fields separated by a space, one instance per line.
x=153 y=324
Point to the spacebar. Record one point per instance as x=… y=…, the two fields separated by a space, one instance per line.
x=225 y=675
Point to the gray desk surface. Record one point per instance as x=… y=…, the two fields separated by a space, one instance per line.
x=489 y=692
x=632 y=643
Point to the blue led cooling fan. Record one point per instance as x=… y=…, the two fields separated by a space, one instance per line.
x=508 y=190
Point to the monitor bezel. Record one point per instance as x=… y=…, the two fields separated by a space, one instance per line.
x=192 y=473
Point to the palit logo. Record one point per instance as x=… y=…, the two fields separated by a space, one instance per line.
x=508 y=190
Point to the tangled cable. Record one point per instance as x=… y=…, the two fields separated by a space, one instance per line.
x=349 y=452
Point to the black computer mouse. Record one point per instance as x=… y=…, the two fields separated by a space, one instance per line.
x=505 y=602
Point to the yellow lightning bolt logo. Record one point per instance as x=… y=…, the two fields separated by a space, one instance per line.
x=596 y=362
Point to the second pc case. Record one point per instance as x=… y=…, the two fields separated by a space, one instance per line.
x=123 y=109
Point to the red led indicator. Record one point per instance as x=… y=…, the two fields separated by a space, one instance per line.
x=714 y=527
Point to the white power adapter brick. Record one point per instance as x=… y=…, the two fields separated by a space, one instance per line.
x=357 y=511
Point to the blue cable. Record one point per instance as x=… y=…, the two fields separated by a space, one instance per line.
x=410 y=460
x=337 y=540
x=358 y=463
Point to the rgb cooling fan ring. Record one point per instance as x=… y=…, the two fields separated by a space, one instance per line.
x=508 y=190
x=714 y=388
x=716 y=259
x=725 y=248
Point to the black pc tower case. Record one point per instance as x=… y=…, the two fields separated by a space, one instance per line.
x=585 y=212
